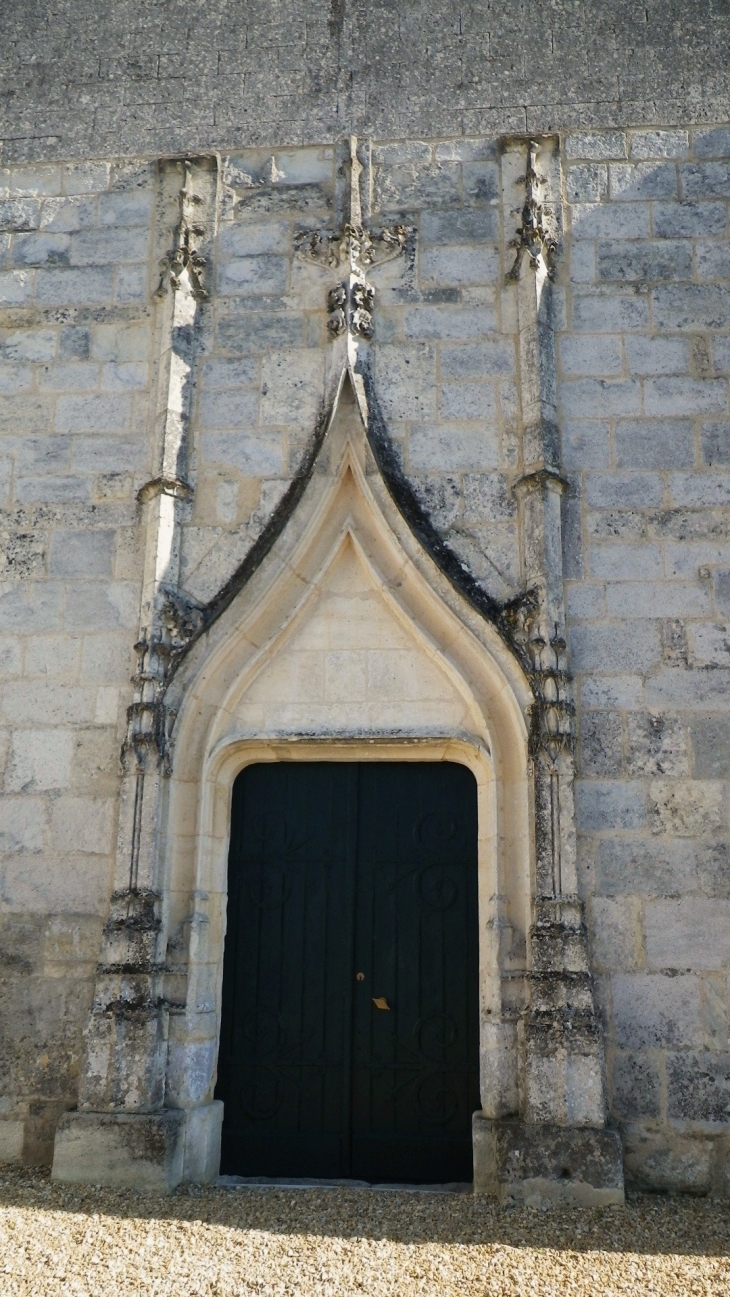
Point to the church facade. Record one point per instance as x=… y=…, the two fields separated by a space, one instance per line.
x=365 y=622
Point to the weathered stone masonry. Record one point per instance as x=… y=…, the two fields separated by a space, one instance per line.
x=547 y=404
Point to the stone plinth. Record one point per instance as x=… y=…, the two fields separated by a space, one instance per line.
x=547 y=1165
x=155 y=1151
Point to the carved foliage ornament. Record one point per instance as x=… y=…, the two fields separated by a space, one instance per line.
x=534 y=239
x=350 y=303
x=543 y=656
x=184 y=255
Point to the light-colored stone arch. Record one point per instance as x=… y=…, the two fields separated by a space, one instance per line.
x=347 y=643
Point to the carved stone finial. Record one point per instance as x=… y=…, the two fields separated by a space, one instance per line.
x=533 y=237
x=184 y=257
x=350 y=303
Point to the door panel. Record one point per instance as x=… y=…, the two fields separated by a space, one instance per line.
x=285 y=1036
x=415 y=1066
x=338 y=870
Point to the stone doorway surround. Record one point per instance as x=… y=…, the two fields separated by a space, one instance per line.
x=350 y=639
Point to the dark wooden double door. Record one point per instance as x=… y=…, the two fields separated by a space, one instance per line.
x=349 y=1040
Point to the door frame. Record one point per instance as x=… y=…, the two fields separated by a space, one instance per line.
x=497 y=844
x=397 y=752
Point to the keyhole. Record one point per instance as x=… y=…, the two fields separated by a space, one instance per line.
x=360 y=977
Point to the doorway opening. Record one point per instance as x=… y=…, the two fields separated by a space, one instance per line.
x=350 y=1025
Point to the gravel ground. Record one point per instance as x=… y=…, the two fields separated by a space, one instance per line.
x=66 y=1241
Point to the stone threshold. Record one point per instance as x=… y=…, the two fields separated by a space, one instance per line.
x=266 y=1182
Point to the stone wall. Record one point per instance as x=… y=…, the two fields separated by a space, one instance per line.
x=82 y=80
x=643 y=361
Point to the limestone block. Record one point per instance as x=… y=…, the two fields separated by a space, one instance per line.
x=21 y=824
x=93 y=247
x=591 y=354
x=713 y=867
x=82 y=824
x=258 y=331
x=140 y=1151
x=609 y=804
x=202 y=1153
x=18 y=214
x=682 y=395
x=230 y=408
x=65 y=377
x=253 y=276
x=645 y=261
x=96 y=605
x=657 y=599
x=675 y=688
x=616 y=935
x=251 y=240
x=636 y=1085
x=406 y=381
x=657 y=745
x=292 y=387
x=698 y=1087
x=467 y=401
x=52 y=655
x=642 y=180
x=41 y=249
x=604 y=221
x=646 y=867
x=659 y=144
x=586 y=182
x=230 y=373
x=650 y=1010
x=446 y=322
x=130 y=208
x=81 y=553
x=666 y=1162
x=254 y=453
x=647 y=443
x=93 y=413
x=471 y=225
x=40 y=759
x=657 y=355
x=12 y=1130
x=475 y=360
x=691 y=306
x=68 y=214
x=440 y=446
x=711 y=746
x=689 y=219
x=690 y=933
x=119 y=377
x=599 y=312
x=585 y=444
x=542 y=1165
x=73 y=287
x=122 y=341
x=705 y=179
x=617 y=648
x=459 y=265
x=415 y=185
x=711 y=142
x=686 y=810
x=601 y=397
x=85 y=177
x=601 y=744
x=595 y=145
x=15 y=287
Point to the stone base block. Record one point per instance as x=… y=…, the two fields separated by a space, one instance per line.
x=543 y=1165
x=154 y=1151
